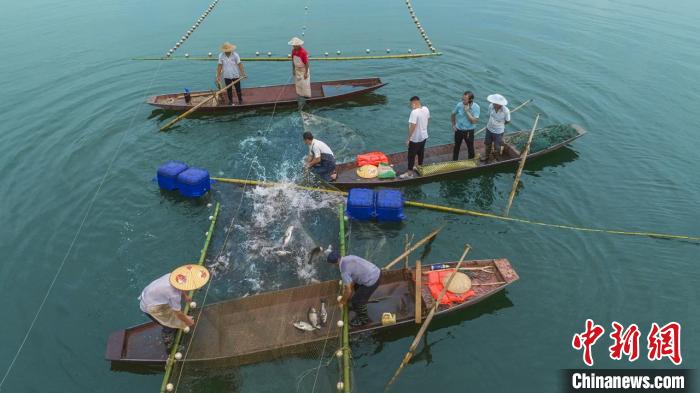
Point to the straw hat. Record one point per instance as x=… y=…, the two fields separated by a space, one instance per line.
x=228 y=47
x=497 y=99
x=461 y=283
x=296 y=41
x=189 y=277
x=367 y=171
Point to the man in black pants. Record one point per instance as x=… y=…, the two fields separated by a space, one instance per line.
x=464 y=117
x=417 y=135
x=360 y=280
x=231 y=67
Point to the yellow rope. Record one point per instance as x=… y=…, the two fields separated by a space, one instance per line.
x=474 y=213
x=328 y=58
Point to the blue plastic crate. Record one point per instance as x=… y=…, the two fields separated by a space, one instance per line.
x=167 y=174
x=389 y=205
x=360 y=204
x=193 y=182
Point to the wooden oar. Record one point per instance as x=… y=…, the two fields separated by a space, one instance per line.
x=424 y=327
x=194 y=108
x=422 y=241
x=520 y=166
x=512 y=111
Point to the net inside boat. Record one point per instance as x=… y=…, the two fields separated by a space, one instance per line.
x=544 y=138
x=449 y=166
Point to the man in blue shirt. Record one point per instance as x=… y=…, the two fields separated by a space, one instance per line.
x=464 y=117
x=360 y=280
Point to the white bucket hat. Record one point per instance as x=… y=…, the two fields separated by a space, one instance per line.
x=296 y=41
x=497 y=99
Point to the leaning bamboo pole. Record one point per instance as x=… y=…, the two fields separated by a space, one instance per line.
x=170 y=363
x=428 y=319
x=421 y=242
x=521 y=165
x=345 y=340
x=194 y=108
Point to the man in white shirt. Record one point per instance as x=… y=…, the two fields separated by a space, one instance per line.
x=231 y=67
x=320 y=160
x=417 y=135
x=499 y=116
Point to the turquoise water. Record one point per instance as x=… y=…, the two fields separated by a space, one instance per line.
x=76 y=135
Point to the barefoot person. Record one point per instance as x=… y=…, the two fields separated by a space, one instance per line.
x=320 y=160
x=300 y=68
x=360 y=280
x=231 y=67
x=499 y=116
x=464 y=117
x=417 y=135
x=160 y=300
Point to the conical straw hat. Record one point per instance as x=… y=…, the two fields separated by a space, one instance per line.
x=296 y=41
x=189 y=277
x=367 y=171
x=461 y=283
x=228 y=47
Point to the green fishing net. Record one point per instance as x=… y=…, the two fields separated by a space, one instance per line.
x=544 y=137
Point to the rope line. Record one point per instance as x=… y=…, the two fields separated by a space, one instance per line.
x=77 y=234
x=314 y=58
x=420 y=28
x=191 y=30
x=448 y=209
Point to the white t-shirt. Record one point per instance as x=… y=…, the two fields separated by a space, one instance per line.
x=419 y=117
x=230 y=65
x=316 y=148
x=497 y=120
x=160 y=292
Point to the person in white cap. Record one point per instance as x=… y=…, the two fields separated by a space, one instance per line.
x=300 y=68
x=499 y=116
x=231 y=67
x=160 y=300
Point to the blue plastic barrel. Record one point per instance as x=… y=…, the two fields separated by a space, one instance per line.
x=193 y=182
x=389 y=205
x=360 y=204
x=167 y=174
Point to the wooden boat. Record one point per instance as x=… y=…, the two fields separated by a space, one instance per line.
x=348 y=178
x=259 y=327
x=269 y=96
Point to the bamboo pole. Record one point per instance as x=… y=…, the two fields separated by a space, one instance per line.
x=406 y=246
x=474 y=213
x=170 y=362
x=422 y=241
x=419 y=299
x=519 y=172
x=512 y=111
x=345 y=340
x=194 y=108
x=428 y=319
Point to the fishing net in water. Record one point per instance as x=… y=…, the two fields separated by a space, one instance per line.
x=544 y=137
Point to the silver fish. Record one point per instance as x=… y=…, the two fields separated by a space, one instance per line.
x=287 y=236
x=324 y=313
x=303 y=326
x=313 y=318
x=283 y=253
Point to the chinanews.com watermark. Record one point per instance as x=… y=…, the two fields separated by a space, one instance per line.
x=663 y=345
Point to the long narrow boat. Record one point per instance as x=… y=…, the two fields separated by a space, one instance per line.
x=513 y=143
x=259 y=327
x=269 y=96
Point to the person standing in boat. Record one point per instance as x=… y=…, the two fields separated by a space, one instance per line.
x=300 y=68
x=320 y=160
x=464 y=117
x=499 y=116
x=360 y=280
x=160 y=300
x=417 y=135
x=231 y=66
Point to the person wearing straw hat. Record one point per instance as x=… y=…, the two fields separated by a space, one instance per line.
x=160 y=300
x=300 y=68
x=231 y=67
x=360 y=280
x=499 y=116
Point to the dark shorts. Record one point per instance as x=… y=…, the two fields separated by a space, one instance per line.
x=325 y=168
x=362 y=293
x=492 y=138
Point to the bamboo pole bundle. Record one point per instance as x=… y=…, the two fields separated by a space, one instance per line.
x=521 y=165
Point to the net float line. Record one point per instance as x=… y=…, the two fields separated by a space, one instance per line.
x=191 y=30
x=166 y=385
x=325 y=57
x=474 y=213
x=420 y=28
